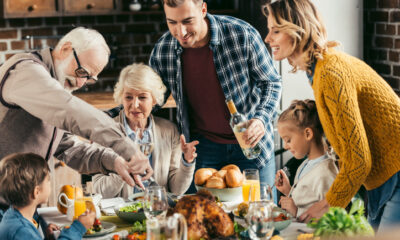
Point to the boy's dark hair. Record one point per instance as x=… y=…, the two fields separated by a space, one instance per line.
x=20 y=173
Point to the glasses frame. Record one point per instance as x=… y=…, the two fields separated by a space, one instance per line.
x=81 y=72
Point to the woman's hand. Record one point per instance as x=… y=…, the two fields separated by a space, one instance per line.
x=315 y=211
x=288 y=204
x=188 y=149
x=282 y=182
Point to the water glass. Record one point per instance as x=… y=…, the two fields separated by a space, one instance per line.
x=259 y=220
x=155 y=202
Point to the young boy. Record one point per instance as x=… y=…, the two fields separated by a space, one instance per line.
x=24 y=184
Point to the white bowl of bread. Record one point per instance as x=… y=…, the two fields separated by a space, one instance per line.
x=226 y=184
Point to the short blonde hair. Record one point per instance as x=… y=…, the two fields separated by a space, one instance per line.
x=302 y=22
x=140 y=77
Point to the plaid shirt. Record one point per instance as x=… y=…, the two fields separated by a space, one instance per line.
x=244 y=69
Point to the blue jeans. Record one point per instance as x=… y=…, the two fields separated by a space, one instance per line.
x=384 y=204
x=216 y=155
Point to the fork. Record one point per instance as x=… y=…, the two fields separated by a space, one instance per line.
x=286 y=171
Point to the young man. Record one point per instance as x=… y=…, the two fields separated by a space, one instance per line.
x=205 y=59
x=36 y=107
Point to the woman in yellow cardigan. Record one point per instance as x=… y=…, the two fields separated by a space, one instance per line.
x=359 y=111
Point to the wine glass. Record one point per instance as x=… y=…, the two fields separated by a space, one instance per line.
x=145 y=141
x=259 y=220
x=155 y=202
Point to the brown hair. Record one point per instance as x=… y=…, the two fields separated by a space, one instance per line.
x=302 y=22
x=177 y=3
x=304 y=115
x=20 y=173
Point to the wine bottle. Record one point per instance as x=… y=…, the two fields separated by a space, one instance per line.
x=239 y=124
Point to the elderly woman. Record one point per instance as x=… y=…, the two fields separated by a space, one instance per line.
x=359 y=111
x=139 y=89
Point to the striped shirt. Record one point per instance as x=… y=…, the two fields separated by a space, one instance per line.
x=244 y=69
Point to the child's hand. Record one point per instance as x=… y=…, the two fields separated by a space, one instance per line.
x=188 y=149
x=288 y=205
x=50 y=230
x=87 y=219
x=282 y=182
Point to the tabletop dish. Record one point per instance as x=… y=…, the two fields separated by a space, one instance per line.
x=282 y=219
x=130 y=212
x=225 y=194
x=107 y=228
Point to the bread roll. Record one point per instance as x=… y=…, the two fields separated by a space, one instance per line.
x=201 y=175
x=231 y=166
x=220 y=173
x=213 y=170
x=215 y=182
x=233 y=178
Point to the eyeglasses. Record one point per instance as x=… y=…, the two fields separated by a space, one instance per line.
x=81 y=72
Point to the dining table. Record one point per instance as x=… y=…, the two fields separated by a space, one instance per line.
x=52 y=215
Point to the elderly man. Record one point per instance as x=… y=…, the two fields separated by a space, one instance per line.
x=36 y=108
x=205 y=59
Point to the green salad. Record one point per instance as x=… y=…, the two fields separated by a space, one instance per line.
x=139 y=226
x=132 y=208
x=337 y=222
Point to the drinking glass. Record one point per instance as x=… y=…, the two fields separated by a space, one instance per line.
x=266 y=193
x=155 y=202
x=79 y=203
x=259 y=220
x=145 y=141
x=251 y=179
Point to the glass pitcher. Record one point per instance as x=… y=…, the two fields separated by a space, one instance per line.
x=170 y=228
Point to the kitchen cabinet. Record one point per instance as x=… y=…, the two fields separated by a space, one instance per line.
x=48 y=8
x=88 y=7
x=32 y=8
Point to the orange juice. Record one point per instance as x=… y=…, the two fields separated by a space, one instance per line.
x=255 y=194
x=79 y=207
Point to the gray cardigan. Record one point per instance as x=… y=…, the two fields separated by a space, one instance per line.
x=169 y=171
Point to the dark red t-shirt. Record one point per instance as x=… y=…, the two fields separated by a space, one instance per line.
x=208 y=113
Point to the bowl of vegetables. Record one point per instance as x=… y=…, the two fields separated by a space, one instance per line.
x=130 y=212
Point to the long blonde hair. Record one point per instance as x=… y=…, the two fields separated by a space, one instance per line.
x=302 y=22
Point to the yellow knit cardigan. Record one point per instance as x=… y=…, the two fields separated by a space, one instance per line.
x=360 y=114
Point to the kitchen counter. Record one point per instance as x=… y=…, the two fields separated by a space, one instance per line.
x=105 y=100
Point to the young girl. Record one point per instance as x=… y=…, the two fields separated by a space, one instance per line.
x=302 y=134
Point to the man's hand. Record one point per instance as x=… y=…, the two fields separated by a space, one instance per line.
x=255 y=131
x=288 y=204
x=315 y=211
x=138 y=165
x=188 y=149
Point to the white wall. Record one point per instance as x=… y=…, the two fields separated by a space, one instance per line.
x=344 y=22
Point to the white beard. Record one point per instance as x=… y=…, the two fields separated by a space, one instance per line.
x=60 y=68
